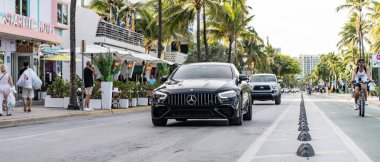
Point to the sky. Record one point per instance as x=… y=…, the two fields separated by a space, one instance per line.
x=299 y=26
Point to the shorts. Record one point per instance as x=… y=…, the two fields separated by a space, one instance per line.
x=88 y=90
x=27 y=93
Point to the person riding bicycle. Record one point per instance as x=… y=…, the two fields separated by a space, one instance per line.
x=361 y=73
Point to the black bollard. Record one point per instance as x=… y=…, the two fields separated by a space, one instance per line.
x=304 y=136
x=303 y=127
x=305 y=150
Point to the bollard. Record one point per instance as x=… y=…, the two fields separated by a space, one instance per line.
x=305 y=150
x=303 y=127
x=303 y=123
x=304 y=136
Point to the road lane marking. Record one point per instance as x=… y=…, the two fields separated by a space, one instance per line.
x=294 y=155
x=252 y=150
x=355 y=150
x=66 y=130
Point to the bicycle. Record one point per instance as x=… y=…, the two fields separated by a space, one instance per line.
x=361 y=96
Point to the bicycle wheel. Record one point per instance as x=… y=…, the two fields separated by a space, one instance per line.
x=362 y=103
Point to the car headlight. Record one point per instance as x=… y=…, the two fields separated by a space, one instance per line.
x=274 y=87
x=160 y=96
x=227 y=94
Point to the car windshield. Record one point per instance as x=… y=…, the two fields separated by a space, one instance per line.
x=263 y=78
x=203 y=72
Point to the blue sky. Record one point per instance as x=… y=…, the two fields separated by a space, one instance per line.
x=299 y=26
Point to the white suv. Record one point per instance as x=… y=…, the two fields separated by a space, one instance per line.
x=265 y=87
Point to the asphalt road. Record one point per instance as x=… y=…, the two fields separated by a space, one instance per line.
x=270 y=136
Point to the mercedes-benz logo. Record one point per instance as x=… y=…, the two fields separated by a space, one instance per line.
x=191 y=99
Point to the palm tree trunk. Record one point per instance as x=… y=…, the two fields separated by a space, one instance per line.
x=229 y=51
x=205 y=32
x=73 y=105
x=159 y=28
x=198 y=35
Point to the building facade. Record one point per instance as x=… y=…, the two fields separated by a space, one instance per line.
x=308 y=63
x=26 y=27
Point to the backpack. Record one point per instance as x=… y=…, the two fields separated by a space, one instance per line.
x=357 y=69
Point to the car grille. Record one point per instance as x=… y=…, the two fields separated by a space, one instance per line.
x=261 y=87
x=200 y=99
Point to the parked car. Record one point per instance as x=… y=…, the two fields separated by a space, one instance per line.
x=203 y=91
x=265 y=87
x=286 y=90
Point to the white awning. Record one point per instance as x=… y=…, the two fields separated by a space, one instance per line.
x=90 y=49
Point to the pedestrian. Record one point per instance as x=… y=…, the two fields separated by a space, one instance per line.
x=6 y=83
x=26 y=82
x=88 y=74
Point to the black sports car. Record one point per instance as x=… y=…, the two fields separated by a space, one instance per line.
x=203 y=91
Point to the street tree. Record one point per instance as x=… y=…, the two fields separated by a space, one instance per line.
x=73 y=105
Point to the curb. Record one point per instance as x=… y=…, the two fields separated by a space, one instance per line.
x=46 y=119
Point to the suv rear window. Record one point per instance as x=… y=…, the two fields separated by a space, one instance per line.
x=263 y=78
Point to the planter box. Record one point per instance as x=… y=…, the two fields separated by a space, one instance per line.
x=96 y=103
x=134 y=102
x=124 y=103
x=53 y=102
x=106 y=95
x=142 y=101
x=43 y=95
x=66 y=101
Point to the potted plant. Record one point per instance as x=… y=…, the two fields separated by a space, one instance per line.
x=124 y=97
x=143 y=95
x=107 y=68
x=55 y=93
x=96 y=98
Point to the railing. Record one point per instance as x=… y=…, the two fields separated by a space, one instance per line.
x=115 y=32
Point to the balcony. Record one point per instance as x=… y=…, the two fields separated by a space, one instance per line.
x=176 y=57
x=117 y=33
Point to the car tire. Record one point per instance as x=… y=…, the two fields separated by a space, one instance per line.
x=181 y=120
x=159 y=122
x=238 y=120
x=248 y=115
x=278 y=100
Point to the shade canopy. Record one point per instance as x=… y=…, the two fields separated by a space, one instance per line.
x=90 y=49
x=59 y=57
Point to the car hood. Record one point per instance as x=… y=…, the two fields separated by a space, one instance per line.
x=182 y=86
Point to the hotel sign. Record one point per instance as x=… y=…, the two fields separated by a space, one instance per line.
x=24 y=22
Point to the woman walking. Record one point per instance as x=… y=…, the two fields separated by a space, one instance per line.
x=6 y=83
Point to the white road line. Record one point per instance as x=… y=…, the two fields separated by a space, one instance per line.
x=250 y=153
x=355 y=150
x=294 y=155
x=66 y=130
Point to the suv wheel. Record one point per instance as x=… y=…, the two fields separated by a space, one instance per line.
x=238 y=120
x=248 y=115
x=159 y=122
x=278 y=100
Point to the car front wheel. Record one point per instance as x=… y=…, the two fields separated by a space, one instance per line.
x=278 y=100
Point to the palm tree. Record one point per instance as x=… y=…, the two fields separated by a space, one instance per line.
x=349 y=35
x=147 y=25
x=181 y=15
x=73 y=105
x=159 y=28
x=109 y=8
x=229 y=24
x=375 y=26
x=357 y=6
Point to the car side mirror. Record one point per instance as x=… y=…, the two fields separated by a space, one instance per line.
x=164 y=78
x=243 y=77
x=279 y=81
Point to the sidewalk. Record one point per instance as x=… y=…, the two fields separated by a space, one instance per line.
x=40 y=114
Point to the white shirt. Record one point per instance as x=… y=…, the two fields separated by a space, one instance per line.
x=362 y=75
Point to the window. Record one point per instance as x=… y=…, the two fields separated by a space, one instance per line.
x=203 y=72
x=62 y=12
x=22 y=7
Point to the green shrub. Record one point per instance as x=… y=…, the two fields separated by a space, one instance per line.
x=59 y=88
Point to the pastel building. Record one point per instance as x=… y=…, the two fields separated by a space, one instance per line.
x=26 y=27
